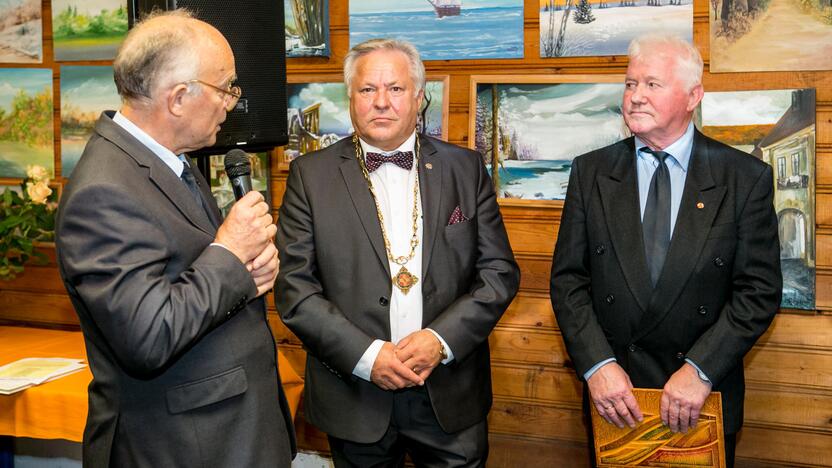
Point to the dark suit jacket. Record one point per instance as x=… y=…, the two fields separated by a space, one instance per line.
x=721 y=282
x=334 y=284
x=183 y=361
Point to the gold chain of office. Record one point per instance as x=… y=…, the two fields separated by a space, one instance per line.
x=404 y=279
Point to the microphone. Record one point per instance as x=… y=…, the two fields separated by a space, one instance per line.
x=238 y=169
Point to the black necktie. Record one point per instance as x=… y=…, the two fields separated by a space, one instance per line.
x=403 y=159
x=656 y=223
x=190 y=181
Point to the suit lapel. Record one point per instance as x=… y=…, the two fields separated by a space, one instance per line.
x=430 y=187
x=619 y=198
x=363 y=201
x=692 y=226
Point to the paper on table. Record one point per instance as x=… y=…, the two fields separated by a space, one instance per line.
x=24 y=373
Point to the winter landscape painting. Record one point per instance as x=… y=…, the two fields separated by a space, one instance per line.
x=25 y=120
x=443 y=29
x=601 y=27
x=770 y=35
x=307 y=28
x=531 y=131
x=21 y=31
x=88 y=29
x=777 y=126
x=86 y=91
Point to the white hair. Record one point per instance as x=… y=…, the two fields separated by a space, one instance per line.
x=417 y=68
x=689 y=63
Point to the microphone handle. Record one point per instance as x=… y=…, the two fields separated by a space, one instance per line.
x=241 y=186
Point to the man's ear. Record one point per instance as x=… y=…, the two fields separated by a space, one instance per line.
x=695 y=97
x=177 y=99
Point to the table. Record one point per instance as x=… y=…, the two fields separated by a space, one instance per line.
x=58 y=409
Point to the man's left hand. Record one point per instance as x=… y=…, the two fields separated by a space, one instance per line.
x=264 y=269
x=682 y=399
x=420 y=351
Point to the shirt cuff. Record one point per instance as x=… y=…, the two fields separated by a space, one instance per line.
x=594 y=368
x=365 y=365
x=448 y=351
x=220 y=245
x=701 y=374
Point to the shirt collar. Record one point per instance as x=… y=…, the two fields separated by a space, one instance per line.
x=679 y=150
x=408 y=145
x=174 y=162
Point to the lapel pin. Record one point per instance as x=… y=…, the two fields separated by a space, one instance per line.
x=429 y=165
x=700 y=205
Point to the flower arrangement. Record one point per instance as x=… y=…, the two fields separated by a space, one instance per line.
x=27 y=216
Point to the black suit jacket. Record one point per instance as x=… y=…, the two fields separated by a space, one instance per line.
x=183 y=361
x=334 y=284
x=721 y=282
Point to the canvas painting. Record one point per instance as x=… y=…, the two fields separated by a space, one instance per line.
x=25 y=120
x=770 y=35
x=86 y=91
x=777 y=126
x=606 y=27
x=307 y=28
x=221 y=185
x=21 y=31
x=88 y=29
x=531 y=132
x=443 y=29
x=319 y=115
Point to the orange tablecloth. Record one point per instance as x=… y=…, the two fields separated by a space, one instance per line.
x=58 y=409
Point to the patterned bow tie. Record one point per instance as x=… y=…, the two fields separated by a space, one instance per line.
x=403 y=159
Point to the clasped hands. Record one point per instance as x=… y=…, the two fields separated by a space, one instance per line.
x=682 y=397
x=407 y=363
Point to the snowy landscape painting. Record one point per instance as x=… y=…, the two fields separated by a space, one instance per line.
x=532 y=130
x=443 y=29
x=601 y=27
x=21 y=31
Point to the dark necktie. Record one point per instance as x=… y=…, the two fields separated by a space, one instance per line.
x=656 y=223
x=190 y=181
x=403 y=159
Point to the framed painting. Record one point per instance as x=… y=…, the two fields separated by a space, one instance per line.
x=443 y=29
x=21 y=31
x=221 y=185
x=319 y=113
x=601 y=27
x=88 y=29
x=777 y=126
x=26 y=128
x=531 y=128
x=307 y=28
x=86 y=91
x=776 y=35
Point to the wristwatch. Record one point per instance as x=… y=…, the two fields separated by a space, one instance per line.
x=442 y=353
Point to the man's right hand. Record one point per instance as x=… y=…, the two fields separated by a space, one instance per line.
x=612 y=394
x=248 y=228
x=389 y=373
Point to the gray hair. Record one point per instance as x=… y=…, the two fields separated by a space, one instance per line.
x=417 y=68
x=689 y=63
x=151 y=57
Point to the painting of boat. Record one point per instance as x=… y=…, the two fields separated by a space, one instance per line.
x=445 y=8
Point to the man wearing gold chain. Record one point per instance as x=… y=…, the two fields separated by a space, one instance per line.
x=394 y=268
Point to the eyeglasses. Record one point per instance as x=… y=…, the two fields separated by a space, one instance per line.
x=230 y=95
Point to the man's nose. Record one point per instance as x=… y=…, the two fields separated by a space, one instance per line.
x=382 y=100
x=638 y=94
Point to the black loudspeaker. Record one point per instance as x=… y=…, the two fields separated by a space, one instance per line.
x=255 y=30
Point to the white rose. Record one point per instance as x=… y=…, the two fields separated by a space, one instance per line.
x=37 y=173
x=38 y=192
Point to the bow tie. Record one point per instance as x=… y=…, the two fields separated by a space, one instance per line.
x=403 y=159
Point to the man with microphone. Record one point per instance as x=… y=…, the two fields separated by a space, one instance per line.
x=169 y=296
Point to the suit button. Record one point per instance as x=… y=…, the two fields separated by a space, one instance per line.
x=383 y=301
x=610 y=299
x=702 y=310
x=680 y=356
x=632 y=348
x=719 y=262
x=600 y=249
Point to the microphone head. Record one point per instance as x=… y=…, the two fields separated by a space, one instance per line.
x=237 y=163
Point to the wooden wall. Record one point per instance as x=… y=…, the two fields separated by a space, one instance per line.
x=536 y=419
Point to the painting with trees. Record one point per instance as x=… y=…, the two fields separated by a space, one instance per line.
x=26 y=128
x=21 y=31
x=606 y=27
x=88 y=29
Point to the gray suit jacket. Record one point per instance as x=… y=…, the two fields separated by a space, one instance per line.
x=721 y=282
x=183 y=361
x=334 y=284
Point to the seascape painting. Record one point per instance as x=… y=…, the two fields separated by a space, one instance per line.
x=532 y=131
x=21 y=31
x=88 y=29
x=777 y=126
x=600 y=27
x=221 y=186
x=307 y=28
x=26 y=127
x=319 y=115
x=770 y=35
x=443 y=29
x=86 y=91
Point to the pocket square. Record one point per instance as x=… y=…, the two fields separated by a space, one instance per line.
x=457 y=217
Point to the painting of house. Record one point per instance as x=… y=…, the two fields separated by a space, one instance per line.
x=88 y=29
x=777 y=126
x=307 y=28
x=770 y=35
x=21 y=31
x=26 y=127
x=606 y=27
x=443 y=29
x=86 y=91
